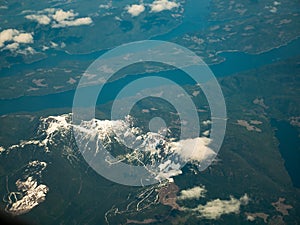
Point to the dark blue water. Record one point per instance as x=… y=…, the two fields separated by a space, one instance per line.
x=289 y=146
x=235 y=62
x=65 y=99
x=238 y=61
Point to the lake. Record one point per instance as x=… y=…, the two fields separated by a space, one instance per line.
x=289 y=147
x=235 y=62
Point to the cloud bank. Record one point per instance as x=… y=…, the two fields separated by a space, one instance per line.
x=58 y=18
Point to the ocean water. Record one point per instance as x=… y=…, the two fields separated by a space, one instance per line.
x=289 y=146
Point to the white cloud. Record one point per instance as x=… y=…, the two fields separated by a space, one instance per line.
x=193 y=193
x=216 y=208
x=7 y=35
x=2 y=149
x=76 y=22
x=48 y=10
x=106 y=6
x=135 y=10
x=67 y=19
x=276 y=3
x=12 y=47
x=103 y=6
x=59 y=18
x=28 y=50
x=10 y=39
x=206 y=122
x=161 y=5
x=273 y=10
x=53 y=44
x=194 y=149
x=61 y=15
x=41 y=19
x=206 y=133
x=23 y=38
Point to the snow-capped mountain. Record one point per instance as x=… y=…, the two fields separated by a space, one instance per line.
x=121 y=140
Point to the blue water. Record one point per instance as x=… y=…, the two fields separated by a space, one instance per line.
x=238 y=61
x=65 y=99
x=235 y=62
x=289 y=146
x=195 y=18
